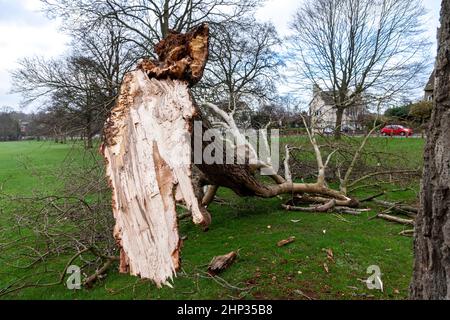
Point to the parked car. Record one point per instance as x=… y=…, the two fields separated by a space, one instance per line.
x=328 y=131
x=396 y=130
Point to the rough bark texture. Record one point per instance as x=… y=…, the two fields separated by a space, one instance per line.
x=431 y=279
x=147 y=149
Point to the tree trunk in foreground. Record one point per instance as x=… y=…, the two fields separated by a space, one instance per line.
x=431 y=279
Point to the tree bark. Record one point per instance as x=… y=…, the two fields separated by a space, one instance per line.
x=338 y=126
x=431 y=278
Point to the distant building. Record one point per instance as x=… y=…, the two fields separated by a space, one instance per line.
x=23 y=127
x=429 y=88
x=323 y=110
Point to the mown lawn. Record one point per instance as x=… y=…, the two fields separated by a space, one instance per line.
x=251 y=226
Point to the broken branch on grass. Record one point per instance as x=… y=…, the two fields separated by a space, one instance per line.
x=373 y=197
x=284 y=242
x=395 y=219
x=10 y=290
x=220 y=263
x=409 y=210
x=407 y=233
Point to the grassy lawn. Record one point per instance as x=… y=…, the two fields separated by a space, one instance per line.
x=251 y=226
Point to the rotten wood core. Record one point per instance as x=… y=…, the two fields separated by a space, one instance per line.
x=180 y=56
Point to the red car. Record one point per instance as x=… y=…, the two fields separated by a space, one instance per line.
x=396 y=130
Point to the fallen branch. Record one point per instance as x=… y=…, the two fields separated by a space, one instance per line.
x=374 y=174
x=409 y=210
x=10 y=289
x=330 y=206
x=407 y=233
x=395 y=219
x=209 y=195
x=351 y=211
x=284 y=242
x=220 y=263
x=321 y=208
x=89 y=281
x=373 y=197
x=185 y=215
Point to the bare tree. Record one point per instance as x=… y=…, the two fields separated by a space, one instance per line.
x=243 y=64
x=70 y=85
x=9 y=127
x=147 y=22
x=431 y=279
x=356 y=47
x=82 y=86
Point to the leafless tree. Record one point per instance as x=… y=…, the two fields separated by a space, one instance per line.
x=243 y=64
x=357 y=47
x=70 y=85
x=147 y=22
x=82 y=86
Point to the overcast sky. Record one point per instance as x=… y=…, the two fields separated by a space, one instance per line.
x=24 y=31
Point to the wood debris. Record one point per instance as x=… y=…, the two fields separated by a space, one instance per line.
x=287 y=241
x=220 y=263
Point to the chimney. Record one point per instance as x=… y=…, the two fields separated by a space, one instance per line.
x=316 y=89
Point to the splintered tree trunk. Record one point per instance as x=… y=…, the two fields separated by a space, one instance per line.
x=148 y=156
x=148 y=153
x=431 y=279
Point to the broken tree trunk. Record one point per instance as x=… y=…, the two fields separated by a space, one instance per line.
x=148 y=154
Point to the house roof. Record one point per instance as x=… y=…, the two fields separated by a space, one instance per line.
x=430 y=84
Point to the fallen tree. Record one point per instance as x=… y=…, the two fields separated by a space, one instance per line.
x=148 y=147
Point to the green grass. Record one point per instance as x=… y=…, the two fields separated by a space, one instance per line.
x=251 y=226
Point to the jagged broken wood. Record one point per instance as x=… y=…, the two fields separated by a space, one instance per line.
x=147 y=151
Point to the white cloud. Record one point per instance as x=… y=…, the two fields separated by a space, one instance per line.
x=280 y=13
x=24 y=32
x=432 y=19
